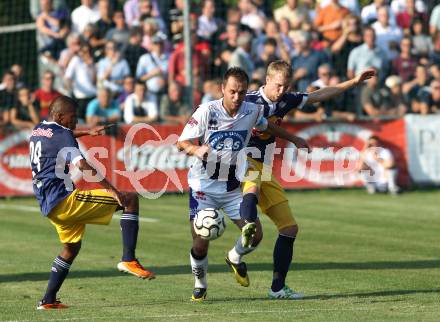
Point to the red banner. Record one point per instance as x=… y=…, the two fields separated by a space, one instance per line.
x=143 y=158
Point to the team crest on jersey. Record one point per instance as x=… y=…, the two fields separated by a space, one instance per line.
x=228 y=140
x=213 y=121
x=200 y=195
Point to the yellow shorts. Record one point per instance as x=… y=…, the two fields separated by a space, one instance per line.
x=72 y=214
x=272 y=198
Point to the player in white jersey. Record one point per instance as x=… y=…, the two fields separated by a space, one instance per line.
x=223 y=128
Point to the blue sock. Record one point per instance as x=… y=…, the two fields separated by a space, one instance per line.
x=130 y=227
x=60 y=269
x=282 y=257
x=248 y=207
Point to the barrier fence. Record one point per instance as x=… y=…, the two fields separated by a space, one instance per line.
x=146 y=159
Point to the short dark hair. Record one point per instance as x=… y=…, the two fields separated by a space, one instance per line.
x=140 y=83
x=237 y=73
x=61 y=103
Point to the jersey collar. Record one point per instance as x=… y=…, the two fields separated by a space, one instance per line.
x=261 y=90
x=55 y=123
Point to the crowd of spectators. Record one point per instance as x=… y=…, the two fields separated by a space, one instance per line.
x=125 y=61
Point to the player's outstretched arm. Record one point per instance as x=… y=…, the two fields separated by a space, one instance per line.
x=98 y=130
x=278 y=131
x=326 y=93
x=89 y=170
x=193 y=150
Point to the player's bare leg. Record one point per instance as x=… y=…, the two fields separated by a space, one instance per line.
x=235 y=255
x=129 y=227
x=199 y=265
x=60 y=269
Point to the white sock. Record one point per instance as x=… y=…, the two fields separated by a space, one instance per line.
x=237 y=252
x=199 y=269
x=233 y=256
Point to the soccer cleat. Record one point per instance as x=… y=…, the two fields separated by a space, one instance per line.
x=199 y=294
x=247 y=234
x=240 y=272
x=286 y=293
x=136 y=269
x=51 y=306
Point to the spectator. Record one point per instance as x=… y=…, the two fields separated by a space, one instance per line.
x=241 y=57
x=434 y=56
x=102 y=109
x=207 y=22
x=284 y=32
x=150 y=29
x=422 y=43
x=329 y=21
x=80 y=77
x=352 y=5
x=271 y=31
x=146 y=11
x=212 y=90
x=251 y=16
x=366 y=55
x=434 y=21
x=268 y=55
x=224 y=47
x=351 y=38
x=306 y=64
x=405 y=64
x=375 y=102
x=24 y=114
x=112 y=68
x=412 y=88
x=294 y=13
x=73 y=47
x=138 y=109
x=52 y=29
x=310 y=112
x=387 y=37
x=134 y=50
x=132 y=10
x=430 y=100
x=369 y=13
x=377 y=168
x=393 y=98
x=176 y=18
x=83 y=15
x=406 y=16
x=7 y=96
x=400 y=5
x=17 y=70
x=172 y=107
x=120 y=33
x=152 y=68
x=102 y=26
x=44 y=96
x=128 y=86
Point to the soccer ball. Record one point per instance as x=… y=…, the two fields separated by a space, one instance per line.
x=209 y=224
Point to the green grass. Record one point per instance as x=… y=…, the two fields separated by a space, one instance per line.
x=359 y=257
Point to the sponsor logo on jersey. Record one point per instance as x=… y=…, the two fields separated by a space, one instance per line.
x=228 y=140
x=200 y=195
x=212 y=123
x=192 y=122
x=42 y=132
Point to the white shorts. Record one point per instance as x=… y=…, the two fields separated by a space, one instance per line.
x=229 y=202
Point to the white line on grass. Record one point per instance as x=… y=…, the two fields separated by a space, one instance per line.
x=36 y=209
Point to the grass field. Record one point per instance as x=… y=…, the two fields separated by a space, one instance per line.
x=359 y=257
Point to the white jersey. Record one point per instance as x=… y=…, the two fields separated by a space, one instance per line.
x=227 y=136
x=371 y=158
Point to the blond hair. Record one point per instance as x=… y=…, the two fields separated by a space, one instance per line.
x=279 y=67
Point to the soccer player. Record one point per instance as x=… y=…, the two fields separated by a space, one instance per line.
x=53 y=148
x=223 y=127
x=269 y=195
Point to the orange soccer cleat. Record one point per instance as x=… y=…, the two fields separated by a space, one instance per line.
x=51 y=306
x=136 y=269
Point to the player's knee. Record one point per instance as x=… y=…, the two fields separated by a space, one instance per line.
x=71 y=250
x=291 y=231
x=200 y=249
x=132 y=201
